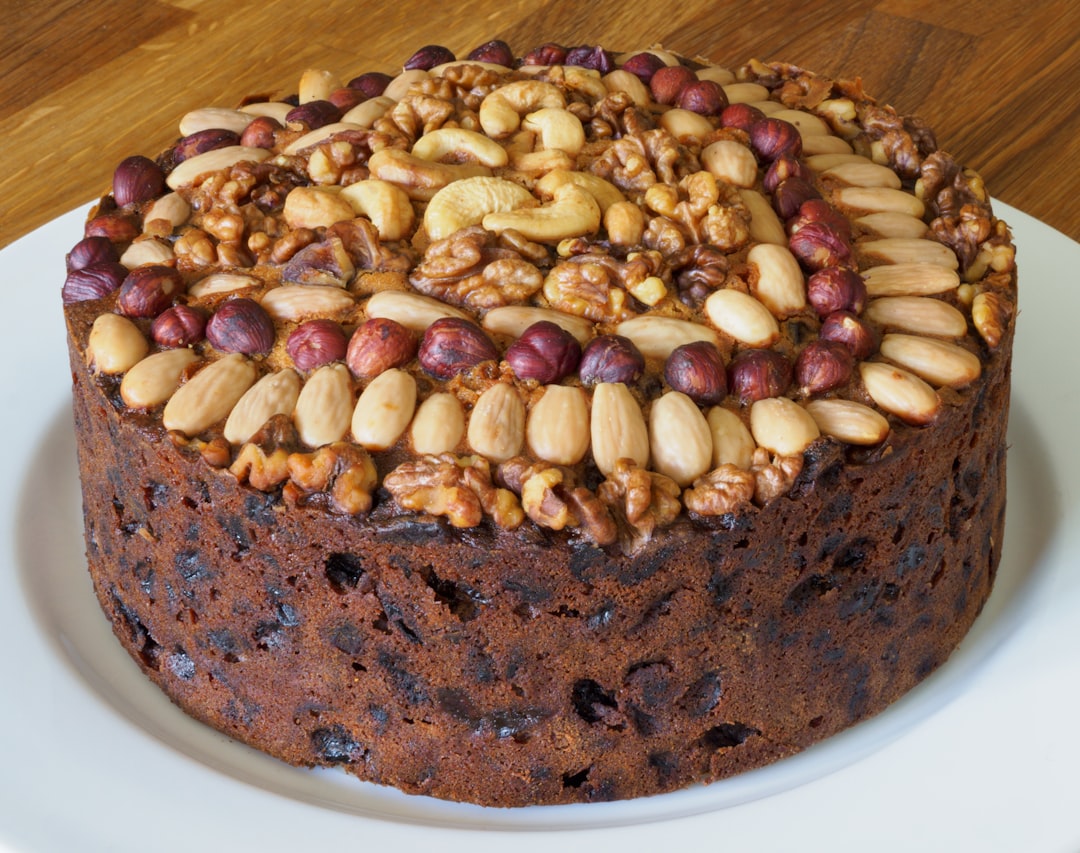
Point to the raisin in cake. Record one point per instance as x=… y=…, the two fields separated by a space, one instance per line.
x=569 y=427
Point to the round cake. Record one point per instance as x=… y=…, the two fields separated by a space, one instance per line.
x=564 y=427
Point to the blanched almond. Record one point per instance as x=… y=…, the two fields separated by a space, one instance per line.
x=823 y=143
x=765 y=225
x=324 y=407
x=214 y=161
x=384 y=409
x=824 y=162
x=497 y=423
x=909 y=280
x=214 y=118
x=680 y=438
x=731 y=440
x=922 y=314
x=115 y=344
x=848 y=421
x=209 y=395
x=807 y=123
x=879 y=200
x=745 y=93
x=779 y=284
x=412 y=310
x=865 y=174
x=274 y=394
x=731 y=162
x=154 y=379
x=305 y=301
x=938 y=362
x=512 y=320
x=439 y=424
x=743 y=317
x=900 y=392
x=657 y=337
x=906 y=250
x=221 y=282
x=557 y=429
x=617 y=428
x=782 y=426
x=893 y=225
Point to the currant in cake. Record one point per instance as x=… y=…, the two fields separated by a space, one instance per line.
x=569 y=427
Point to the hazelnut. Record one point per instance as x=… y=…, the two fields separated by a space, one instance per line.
x=495 y=51
x=773 y=137
x=669 y=81
x=241 y=325
x=611 y=358
x=93 y=281
x=451 y=346
x=345 y=98
x=148 y=290
x=593 y=58
x=820 y=211
x=202 y=141
x=544 y=352
x=428 y=57
x=546 y=54
x=844 y=327
x=704 y=97
x=755 y=374
x=836 y=289
x=371 y=83
x=178 y=326
x=783 y=168
x=740 y=116
x=116 y=227
x=817 y=246
x=697 y=370
x=315 y=343
x=823 y=365
x=377 y=345
x=313 y=114
x=137 y=179
x=790 y=195
x=92 y=250
x=644 y=66
x=260 y=132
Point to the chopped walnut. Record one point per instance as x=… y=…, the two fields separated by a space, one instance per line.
x=698 y=271
x=344 y=471
x=773 y=476
x=264 y=471
x=469 y=269
x=723 y=490
x=642 y=502
x=624 y=162
x=903 y=142
x=705 y=212
x=361 y=240
x=594 y=285
x=458 y=488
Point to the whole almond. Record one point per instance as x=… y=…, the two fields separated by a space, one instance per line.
x=115 y=344
x=222 y=282
x=558 y=425
x=907 y=250
x=384 y=409
x=909 y=279
x=412 y=310
x=658 y=337
x=154 y=379
x=742 y=317
x=497 y=423
x=765 y=225
x=900 y=392
x=848 y=421
x=922 y=314
x=325 y=405
x=879 y=200
x=893 y=225
x=779 y=284
x=439 y=424
x=617 y=428
x=274 y=394
x=214 y=160
x=783 y=426
x=680 y=438
x=304 y=301
x=864 y=174
x=512 y=320
x=938 y=362
x=209 y=395
x=732 y=442
x=731 y=162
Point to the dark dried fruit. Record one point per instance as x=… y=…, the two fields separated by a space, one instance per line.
x=823 y=365
x=202 y=141
x=451 y=346
x=137 y=179
x=428 y=57
x=836 y=289
x=149 y=290
x=697 y=370
x=371 y=83
x=611 y=358
x=773 y=137
x=92 y=281
x=241 y=325
x=178 y=326
x=495 y=51
x=704 y=97
x=92 y=250
x=315 y=343
x=313 y=114
x=846 y=328
x=544 y=352
x=756 y=374
x=377 y=345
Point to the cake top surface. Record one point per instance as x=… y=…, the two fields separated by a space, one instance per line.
x=583 y=290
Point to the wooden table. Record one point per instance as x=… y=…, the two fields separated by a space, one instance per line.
x=83 y=85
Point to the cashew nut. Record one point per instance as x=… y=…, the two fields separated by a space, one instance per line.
x=605 y=192
x=420 y=179
x=468 y=201
x=458 y=141
x=557 y=128
x=385 y=204
x=573 y=212
x=502 y=109
x=315 y=207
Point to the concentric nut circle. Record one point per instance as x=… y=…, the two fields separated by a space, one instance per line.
x=241 y=325
x=149 y=290
x=451 y=346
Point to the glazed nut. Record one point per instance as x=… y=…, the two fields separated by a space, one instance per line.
x=704 y=97
x=115 y=344
x=893 y=225
x=313 y=115
x=216 y=160
x=921 y=314
x=687 y=126
x=990 y=315
x=241 y=325
x=221 y=283
x=468 y=201
x=790 y=195
x=697 y=370
x=910 y=279
x=502 y=109
x=938 y=362
x=91 y=250
x=316 y=84
x=545 y=352
x=557 y=429
x=844 y=327
x=731 y=162
x=149 y=290
x=93 y=281
x=742 y=317
x=209 y=395
x=546 y=54
x=555 y=128
x=621 y=80
x=439 y=424
x=848 y=421
x=657 y=337
x=603 y=191
x=617 y=428
x=274 y=394
x=668 y=82
x=315 y=207
x=822 y=366
x=420 y=179
x=451 y=346
x=741 y=115
x=906 y=250
x=496 y=427
x=386 y=205
x=731 y=441
x=206 y=118
x=836 y=289
x=377 y=345
x=572 y=212
x=153 y=380
x=624 y=223
x=746 y=92
x=900 y=392
x=371 y=83
x=782 y=426
x=591 y=56
x=756 y=374
x=863 y=173
x=428 y=57
x=137 y=179
x=384 y=409
x=772 y=137
x=178 y=326
x=147 y=251
x=776 y=279
x=680 y=438
x=202 y=141
x=172 y=208
x=611 y=359
x=817 y=211
x=781 y=169
x=324 y=407
x=292 y=302
x=412 y=310
x=315 y=343
x=496 y=51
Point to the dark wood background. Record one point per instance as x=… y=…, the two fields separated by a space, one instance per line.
x=84 y=84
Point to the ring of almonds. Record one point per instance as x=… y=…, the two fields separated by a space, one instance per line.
x=586 y=289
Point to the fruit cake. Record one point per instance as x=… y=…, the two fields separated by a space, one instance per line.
x=564 y=427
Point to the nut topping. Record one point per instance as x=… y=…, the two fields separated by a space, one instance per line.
x=680 y=438
x=241 y=325
x=209 y=395
x=497 y=423
x=439 y=425
x=617 y=428
x=384 y=409
x=115 y=344
x=557 y=429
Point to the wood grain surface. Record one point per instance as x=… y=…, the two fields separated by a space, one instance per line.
x=84 y=84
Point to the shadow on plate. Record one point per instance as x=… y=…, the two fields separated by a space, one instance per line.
x=52 y=571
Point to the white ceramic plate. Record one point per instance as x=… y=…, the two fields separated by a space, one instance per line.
x=980 y=756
